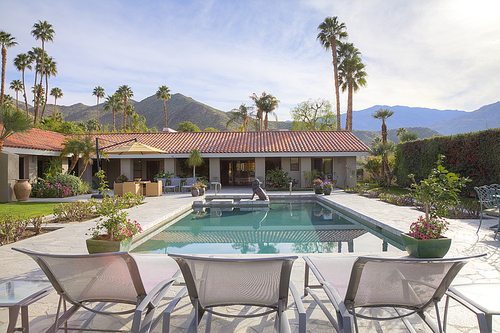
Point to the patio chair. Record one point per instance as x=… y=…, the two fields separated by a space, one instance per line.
x=409 y=286
x=107 y=279
x=487 y=202
x=221 y=282
x=189 y=182
x=175 y=183
x=163 y=182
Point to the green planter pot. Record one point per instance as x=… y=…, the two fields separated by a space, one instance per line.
x=430 y=248
x=318 y=189
x=105 y=246
x=327 y=190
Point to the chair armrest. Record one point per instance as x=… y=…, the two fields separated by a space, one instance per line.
x=170 y=308
x=300 y=308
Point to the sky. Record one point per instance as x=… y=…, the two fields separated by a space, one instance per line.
x=441 y=54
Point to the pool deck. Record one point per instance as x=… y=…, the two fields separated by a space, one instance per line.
x=70 y=238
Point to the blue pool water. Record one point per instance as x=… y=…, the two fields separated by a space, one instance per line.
x=284 y=228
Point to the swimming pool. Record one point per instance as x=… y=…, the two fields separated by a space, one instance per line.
x=309 y=227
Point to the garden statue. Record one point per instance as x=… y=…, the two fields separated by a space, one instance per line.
x=256 y=189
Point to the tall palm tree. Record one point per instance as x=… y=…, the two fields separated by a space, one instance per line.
x=332 y=31
x=351 y=75
x=50 y=70
x=17 y=86
x=23 y=61
x=163 y=93
x=87 y=151
x=44 y=32
x=99 y=93
x=7 y=41
x=125 y=93
x=71 y=148
x=113 y=103
x=244 y=113
x=383 y=114
x=35 y=55
x=57 y=93
x=130 y=112
x=13 y=121
x=265 y=104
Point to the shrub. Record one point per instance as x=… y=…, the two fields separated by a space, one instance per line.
x=59 y=186
x=74 y=183
x=280 y=179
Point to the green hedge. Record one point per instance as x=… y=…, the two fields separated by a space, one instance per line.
x=475 y=155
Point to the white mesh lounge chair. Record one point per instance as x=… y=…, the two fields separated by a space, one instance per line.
x=220 y=282
x=407 y=285
x=487 y=202
x=175 y=183
x=108 y=279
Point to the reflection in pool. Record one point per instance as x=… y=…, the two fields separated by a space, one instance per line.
x=284 y=228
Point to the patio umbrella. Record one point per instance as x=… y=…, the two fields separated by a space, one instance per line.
x=136 y=148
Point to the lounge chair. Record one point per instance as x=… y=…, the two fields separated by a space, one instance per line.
x=108 y=279
x=220 y=282
x=351 y=283
x=175 y=183
x=189 y=182
x=487 y=202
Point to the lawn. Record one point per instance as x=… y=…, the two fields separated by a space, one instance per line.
x=28 y=209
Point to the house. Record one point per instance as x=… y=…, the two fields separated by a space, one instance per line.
x=231 y=158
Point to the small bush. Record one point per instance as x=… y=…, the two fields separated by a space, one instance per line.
x=59 y=186
x=74 y=183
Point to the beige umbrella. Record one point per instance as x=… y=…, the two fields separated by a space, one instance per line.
x=136 y=148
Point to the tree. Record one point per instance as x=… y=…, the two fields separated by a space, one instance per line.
x=17 y=86
x=265 y=104
x=244 y=113
x=130 y=112
x=13 y=121
x=50 y=69
x=351 y=76
x=125 y=93
x=71 y=148
x=187 y=126
x=195 y=160
x=35 y=56
x=404 y=135
x=210 y=129
x=99 y=93
x=21 y=62
x=57 y=93
x=313 y=115
x=44 y=32
x=383 y=114
x=332 y=31
x=163 y=93
x=113 y=103
x=7 y=41
x=87 y=151
x=384 y=150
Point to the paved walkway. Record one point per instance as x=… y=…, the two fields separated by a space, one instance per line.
x=70 y=238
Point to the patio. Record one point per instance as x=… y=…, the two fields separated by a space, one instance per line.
x=71 y=239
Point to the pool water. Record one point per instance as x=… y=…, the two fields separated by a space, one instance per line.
x=283 y=228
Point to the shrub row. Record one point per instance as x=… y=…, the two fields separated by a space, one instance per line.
x=13 y=227
x=59 y=186
x=475 y=155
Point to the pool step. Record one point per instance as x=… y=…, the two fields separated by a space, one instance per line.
x=231 y=203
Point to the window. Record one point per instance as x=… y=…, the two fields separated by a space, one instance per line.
x=294 y=164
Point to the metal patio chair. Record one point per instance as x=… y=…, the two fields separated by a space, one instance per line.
x=189 y=182
x=221 y=282
x=175 y=183
x=409 y=286
x=107 y=279
x=487 y=202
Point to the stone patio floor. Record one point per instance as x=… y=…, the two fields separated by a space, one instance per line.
x=70 y=238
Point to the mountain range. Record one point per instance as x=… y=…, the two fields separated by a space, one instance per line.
x=426 y=122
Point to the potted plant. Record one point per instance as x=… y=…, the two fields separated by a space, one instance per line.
x=201 y=188
x=318 y=186
x=113 y=232
x=195 y=190
x=436 y=194
x=327 y=188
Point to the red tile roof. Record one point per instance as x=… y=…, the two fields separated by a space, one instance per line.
x=36 y=139
x=244 y=142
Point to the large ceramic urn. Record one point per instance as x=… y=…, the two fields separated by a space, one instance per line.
x=22 y=189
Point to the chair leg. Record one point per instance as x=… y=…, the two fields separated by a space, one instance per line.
x=480 y=220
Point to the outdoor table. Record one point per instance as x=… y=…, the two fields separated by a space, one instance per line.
x=18 y=295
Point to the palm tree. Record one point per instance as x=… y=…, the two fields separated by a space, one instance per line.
x=17 y=86
x=50 y=69
x=163 y=93
x=125 y=93
x=351 y=75
x=71 y=148
x=87 y=150
x=266 y=103
x=130 y=112
x=404 y=135
x=244 y=113
x=13 y=121
x=195 y=160
x=57 y=93
x=113 y=103
x=7 y=41
x=45 y=32
x=23 y=61
x=99 y=93
x=383 y=114
x=35 y=55
x=331 y=31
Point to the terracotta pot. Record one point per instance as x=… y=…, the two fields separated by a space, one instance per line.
x=22 y=189
x=429 y=248
x=105 y=246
